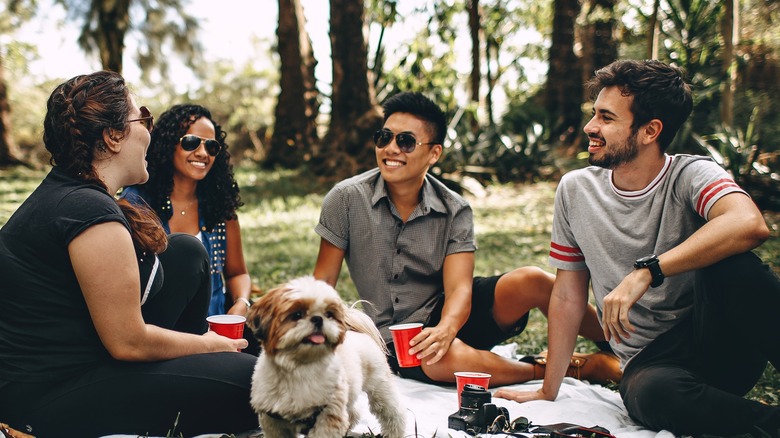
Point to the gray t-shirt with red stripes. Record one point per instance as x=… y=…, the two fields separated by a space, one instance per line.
x=603 y=229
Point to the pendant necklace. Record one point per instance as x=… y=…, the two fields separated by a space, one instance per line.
x=184 y=210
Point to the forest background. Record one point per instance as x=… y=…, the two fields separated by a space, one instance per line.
x=509 y=73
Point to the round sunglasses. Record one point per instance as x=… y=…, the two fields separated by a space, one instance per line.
x=146 y=118
x=406 y=141
x=191 y=142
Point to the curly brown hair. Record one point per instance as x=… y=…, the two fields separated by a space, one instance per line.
x=78 y=113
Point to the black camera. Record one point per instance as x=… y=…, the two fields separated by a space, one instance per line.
x=476 y=413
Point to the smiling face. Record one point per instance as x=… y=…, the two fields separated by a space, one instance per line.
x=195 y=164
x=398 y=167
x=611 y=140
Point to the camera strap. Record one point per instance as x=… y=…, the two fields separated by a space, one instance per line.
x=522 y=427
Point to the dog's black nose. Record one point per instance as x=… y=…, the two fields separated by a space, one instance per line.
x=317 y=321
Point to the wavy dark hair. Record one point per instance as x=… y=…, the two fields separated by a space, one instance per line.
x=78 y=113
x=659 y=91
x=218 y=191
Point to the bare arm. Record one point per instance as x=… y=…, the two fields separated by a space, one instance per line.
x=237 y=280
x=458 y=278
x=104 y=262
x=329 y=262
x=735 y=225
x=568 y=302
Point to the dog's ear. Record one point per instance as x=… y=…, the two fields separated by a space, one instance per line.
x=263 y=314
x=254 y=321
x=259 y=316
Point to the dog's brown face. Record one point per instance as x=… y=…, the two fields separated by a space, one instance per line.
x=299 y=320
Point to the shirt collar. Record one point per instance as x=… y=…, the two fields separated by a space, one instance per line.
x=430 y=199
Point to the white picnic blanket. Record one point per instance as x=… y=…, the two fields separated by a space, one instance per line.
x=429 y=406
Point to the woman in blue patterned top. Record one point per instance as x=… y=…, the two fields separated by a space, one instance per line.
x=192 y=189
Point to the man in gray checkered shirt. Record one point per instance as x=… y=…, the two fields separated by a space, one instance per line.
x=409 y=246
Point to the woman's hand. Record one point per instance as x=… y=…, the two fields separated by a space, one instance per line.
x=239 y=308
x=222 y=343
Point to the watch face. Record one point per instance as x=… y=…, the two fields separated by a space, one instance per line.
x=646 y=259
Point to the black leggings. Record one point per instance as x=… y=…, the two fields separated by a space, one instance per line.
x=208 y=392
x=691 y=380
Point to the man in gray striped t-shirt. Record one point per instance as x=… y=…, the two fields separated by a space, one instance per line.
x=409 y=245
x=665 y=243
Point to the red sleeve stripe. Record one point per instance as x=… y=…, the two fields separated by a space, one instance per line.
x=565 y=248
x=567 y=258
x=711 y=191
x=566 y=253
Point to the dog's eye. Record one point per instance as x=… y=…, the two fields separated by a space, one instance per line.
x=295 y=316
x=330 y=314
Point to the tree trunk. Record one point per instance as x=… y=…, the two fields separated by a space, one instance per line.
x=491 y=52
x=653 y=32
x=297 y=108
x=730 y=36
x=113 y=22
x=348 y=147
x=599 y=47
x=9 y=151
x=475 y=27
x=564 y=84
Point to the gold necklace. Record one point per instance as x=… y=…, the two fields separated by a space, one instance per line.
x=184 y=210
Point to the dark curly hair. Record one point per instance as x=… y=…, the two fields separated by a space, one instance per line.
x=78 y=113
x=659 y=91
x=218 y=191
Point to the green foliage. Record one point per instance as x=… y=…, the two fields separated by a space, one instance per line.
x=734 y=149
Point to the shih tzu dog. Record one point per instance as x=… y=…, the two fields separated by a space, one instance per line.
x=318 y=355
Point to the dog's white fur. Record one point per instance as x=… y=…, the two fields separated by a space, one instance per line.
x=318 y=355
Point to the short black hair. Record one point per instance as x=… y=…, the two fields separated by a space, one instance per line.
x=659 y=91
x=419 y=106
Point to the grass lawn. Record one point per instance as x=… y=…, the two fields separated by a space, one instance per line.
x=513 y=224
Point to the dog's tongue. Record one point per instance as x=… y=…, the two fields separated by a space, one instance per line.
x=317 y=338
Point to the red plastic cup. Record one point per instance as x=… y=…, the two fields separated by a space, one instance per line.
x=231 y=326
x=402 y=334
x=463 y=378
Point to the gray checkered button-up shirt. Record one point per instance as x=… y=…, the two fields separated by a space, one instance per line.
x=396 y=266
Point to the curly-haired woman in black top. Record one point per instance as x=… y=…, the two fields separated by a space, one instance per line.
x=192 y=189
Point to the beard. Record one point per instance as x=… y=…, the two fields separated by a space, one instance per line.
x=616 y=156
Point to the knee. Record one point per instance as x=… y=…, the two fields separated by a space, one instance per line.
x=444 y=369
x=655 y=400
x=529 y=278
x=186 y=249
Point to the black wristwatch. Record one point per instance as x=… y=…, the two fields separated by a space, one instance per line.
x=651 y=263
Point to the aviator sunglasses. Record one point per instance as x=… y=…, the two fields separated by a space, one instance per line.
x=405 y=140
x=146 y=118
x=191 y=142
